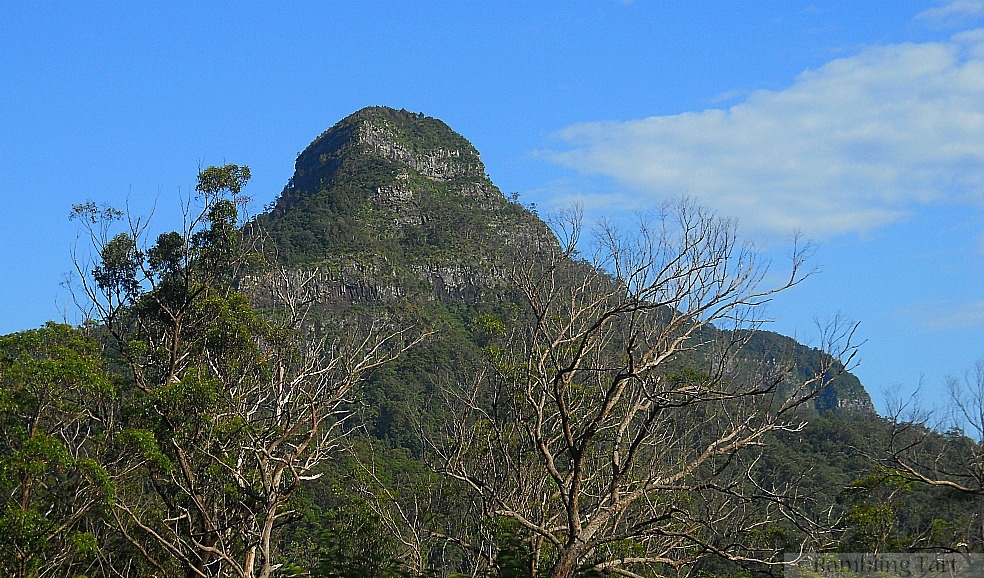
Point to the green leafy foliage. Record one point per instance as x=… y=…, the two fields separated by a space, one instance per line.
x=888 y=512
x=53 y=386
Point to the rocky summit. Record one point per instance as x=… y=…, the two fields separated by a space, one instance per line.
x=389 y=201
x=388 y=178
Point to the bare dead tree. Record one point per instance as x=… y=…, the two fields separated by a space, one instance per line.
x=943 y=447
x=618 y=422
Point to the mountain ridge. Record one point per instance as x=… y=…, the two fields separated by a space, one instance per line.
x=393 y=204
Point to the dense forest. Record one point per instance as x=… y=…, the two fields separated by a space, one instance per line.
x=396 y=370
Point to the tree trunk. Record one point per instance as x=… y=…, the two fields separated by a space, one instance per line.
x=565 y=565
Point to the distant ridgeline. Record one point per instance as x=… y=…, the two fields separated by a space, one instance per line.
x=393 y=205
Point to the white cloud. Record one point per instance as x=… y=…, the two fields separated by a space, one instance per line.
x=854 y=145
x=954 y=12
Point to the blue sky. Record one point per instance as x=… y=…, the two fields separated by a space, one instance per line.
x=860 y=124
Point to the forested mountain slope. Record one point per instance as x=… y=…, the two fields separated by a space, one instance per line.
x=393 y=209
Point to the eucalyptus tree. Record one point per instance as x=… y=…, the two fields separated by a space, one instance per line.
x=228 y=408
x=54 y=395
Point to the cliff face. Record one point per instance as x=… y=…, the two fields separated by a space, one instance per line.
x=391 y=139
x=846 y=395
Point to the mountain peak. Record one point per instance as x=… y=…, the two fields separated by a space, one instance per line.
x=411 y=143
x=389 y=181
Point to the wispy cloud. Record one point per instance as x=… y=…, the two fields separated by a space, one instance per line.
x=854 y=145
x=943 y=317
x=953 y=13
x=729 y=95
